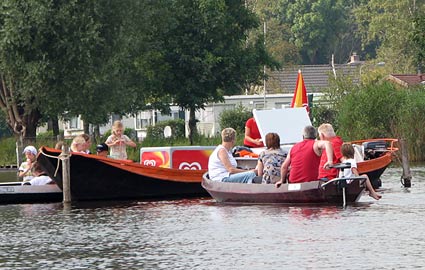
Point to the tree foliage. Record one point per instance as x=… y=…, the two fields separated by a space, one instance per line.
x=206 y=54
x=371 y=112
x=387 y=25
x=51 y=56
x=235 y=118
x=418 y=37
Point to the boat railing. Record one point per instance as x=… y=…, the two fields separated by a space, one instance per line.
x=343 y=179
x=14 y=183
x=391 y=143
x=342 y=182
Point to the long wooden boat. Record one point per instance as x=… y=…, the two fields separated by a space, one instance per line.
x=15 y=192
x=99 y=178
x=315 y=192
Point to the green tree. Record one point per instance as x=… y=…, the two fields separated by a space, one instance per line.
x=388 y=26
x=51 y=54
x=278 y=33
x=317 y=27
x=418 y=37
x=207 y=56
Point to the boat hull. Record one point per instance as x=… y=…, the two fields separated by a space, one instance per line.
x=98 y=178
x=297 y=193
x=29 y=194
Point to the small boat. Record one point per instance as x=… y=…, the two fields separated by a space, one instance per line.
x=373 y=157
x=94 y=177
x=15 y=192
x=335 y=191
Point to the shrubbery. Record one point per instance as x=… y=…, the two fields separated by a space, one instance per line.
x=235 y=118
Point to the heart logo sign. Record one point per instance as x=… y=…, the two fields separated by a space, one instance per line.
x=190 y=166
x=149 y=162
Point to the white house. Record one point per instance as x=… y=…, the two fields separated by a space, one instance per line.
x=208 y=118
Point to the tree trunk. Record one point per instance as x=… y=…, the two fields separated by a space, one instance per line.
x=55 y=126
x=86 y=126
x=96 y=132
x=192 y=125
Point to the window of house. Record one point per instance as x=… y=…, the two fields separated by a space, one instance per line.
x=74 y=123
x=143 y=119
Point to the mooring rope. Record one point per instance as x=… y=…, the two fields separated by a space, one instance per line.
x=61 y=157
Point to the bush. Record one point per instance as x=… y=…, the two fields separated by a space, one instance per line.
x=8 y=151
x=235 y=118
x=157 y=131
x=324 y=114
x=370 y=112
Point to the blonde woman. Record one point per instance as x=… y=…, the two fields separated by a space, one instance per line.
x=79 y=144
x=118 y=142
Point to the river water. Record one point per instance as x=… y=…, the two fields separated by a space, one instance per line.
x=201 y=234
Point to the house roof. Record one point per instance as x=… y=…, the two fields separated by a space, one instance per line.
x=407 y=80
x=316 y=77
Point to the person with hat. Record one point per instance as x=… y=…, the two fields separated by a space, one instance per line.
x=26 y=169
x=102 y=150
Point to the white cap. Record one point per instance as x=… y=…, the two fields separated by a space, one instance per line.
x=30 y=149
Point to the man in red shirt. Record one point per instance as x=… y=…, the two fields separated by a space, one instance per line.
x=304 y=158
x=327 y=133
x=252 y=134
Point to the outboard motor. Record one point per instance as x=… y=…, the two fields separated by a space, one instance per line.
x=374 y=149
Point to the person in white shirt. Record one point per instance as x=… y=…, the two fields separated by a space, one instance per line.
x=222 y=165
x=40 y=177
x=347 y=151
x=26 y=168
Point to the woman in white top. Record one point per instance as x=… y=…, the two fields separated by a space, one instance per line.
x=222 y=165
x=347 y=151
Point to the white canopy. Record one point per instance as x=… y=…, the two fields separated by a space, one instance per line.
x=288 y=123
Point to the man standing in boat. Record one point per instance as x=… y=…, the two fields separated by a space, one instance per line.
x=304 y=158
x=327 y=133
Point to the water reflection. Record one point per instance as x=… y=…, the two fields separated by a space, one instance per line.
x=202 y=234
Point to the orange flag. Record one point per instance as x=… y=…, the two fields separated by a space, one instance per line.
x=300 y=94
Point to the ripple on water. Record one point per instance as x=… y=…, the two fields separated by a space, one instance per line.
x=201 y=234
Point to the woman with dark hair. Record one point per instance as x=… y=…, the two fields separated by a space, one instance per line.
x=271 y=159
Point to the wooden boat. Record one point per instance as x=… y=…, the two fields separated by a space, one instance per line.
x=336 y=191
x=376 y=155
x=99 y=178
x=373 y=157
x=15 y=192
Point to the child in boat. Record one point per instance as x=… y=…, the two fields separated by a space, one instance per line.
x=102 y=150
x=26 y=169
x=79 y=144
x=118 y=142
x=40 y=177
x=347 y=151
